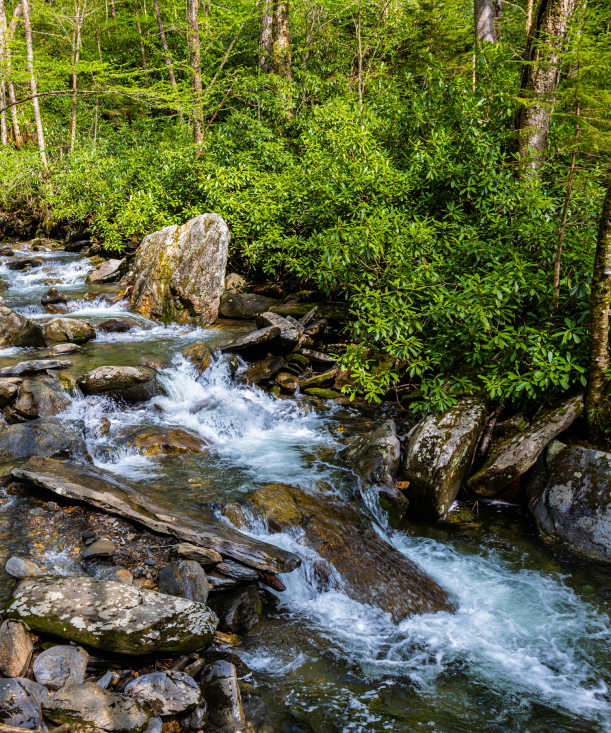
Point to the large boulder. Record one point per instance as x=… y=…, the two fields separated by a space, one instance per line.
x=41 y=397
x=513 y=456
x=48 y=438
x=107 y=272
x=112 y=616
x=179 y=272
x=372 y=571
x=66 y=330
x=129 y=382
x=166 y=693
x=439 y=455
x=244 y=305
x=569 y=496
x=17 y=330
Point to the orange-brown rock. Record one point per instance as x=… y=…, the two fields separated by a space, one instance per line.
x=170 y=442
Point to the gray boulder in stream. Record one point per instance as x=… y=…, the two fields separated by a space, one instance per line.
x=41 y=397
x=66 y=330
x=244 y=305
x=112 y=616
x=17 y=330
x=438 y=457
x=48 y=438
x=179 y=272
x=131 y=383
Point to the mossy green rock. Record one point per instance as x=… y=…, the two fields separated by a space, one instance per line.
x=112 y=616
x=66 y=330
x=325 y=394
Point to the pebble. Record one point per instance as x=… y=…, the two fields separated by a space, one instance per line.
x=52 y=506
x=19 y=567
x=38 y=512
x=150 y=561
x=101 y=548
x=60 y=666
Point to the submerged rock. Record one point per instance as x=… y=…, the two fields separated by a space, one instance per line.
x=107 y=272
x=222 y=692
x=17 y=330
x=179 y=272
x=512 y=457
x=244 y=305
x=20 y=700
x=111 y=616
x=89 y=707
x=48 y=437
x=66 y=330
x=174 y=442
x=438 y=457
x=130 y=383
x=238 y=610
x=372 y=570
x=166 y=693
x=19 y=567
x=15 y=649
x=185 y=579
x=60 y=666
x=375 y=456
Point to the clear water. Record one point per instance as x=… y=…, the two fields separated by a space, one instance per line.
x=528 y=649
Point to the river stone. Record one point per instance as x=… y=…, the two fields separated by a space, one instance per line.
x=19 y=567
x=289 y=332
x=66 y=330
x=342 y=534
x=237 y=571
x=15 y=649
x=512 y=457
x=199 y=717
x=107 y=272
x=33 y=367
x=238 y=610
x=111 y=616
x=438 y=457
x=203 y=556
x=104 y=490
x=155 y=442
x=20 y=700
x=318 y=380
x=8 y=390
x=165 y=693
x=288 y=382
x=115 y=325
x=222 y=693
x=130 y=383
x=233 y=281
x=253 y=340
x=262 y=370
x=17 y=330
x=375 y=456
x=88 y=707
x=65 y=349
x=179 y=272
x=39 y=398
x=101 y=548
x=48 y=437
x=185 y=579
x=199 y=355
x=60 y=666
x=24 y=262
x=53 y=297
x=244 y=305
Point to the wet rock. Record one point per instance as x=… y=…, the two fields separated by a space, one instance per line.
x=130 y=383
x=48 y=437
x=15 y=649
x=6 y=252
x=17 y=330
x=262 y=370
x=289 y=331
x=199 y=717
x=20 y=700
x=318 y=356
x=372 y=570
x=185 y=579
x=237 y=571
x=19 y=567
x=179 y=272
x=203 y=556
x=107 y=272
x=65 y=349
x=236 y=515
x=244 y=305
x=24 y=262
x=53 y=297
x=393 y=502
x=112 y=616
x=438 y=457
x=103 y=489
x=165 y=693
x=88 y=707
x=101 y=548
x=8 y=391
x=253 y=341
x=288 y=382
x=199 y=354
x=40 y=399
x=512 y=457
x=318 y=380
x=238 y=610
x=66 y=330
x=115 y=325
x=324 y=394
x=221 y=690
x=375 y=456
x=33 y=367
x=154 y=442
x=60 y=666
x=218 y=582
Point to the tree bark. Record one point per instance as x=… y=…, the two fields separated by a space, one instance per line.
x=540 y=77
x=281 y=56
x=80 y=15
x=8 y=37
x=483 y=18
x=3 y=55
x=140 y=38
x=596 y=404
x=529 y=16
x=33 y=84
x=164 y=46
x=195 y=68
x=266 y=38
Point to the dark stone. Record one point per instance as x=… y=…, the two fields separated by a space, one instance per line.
x=238 y=610
x=253 y=341
x=20 y=700
x=47 y=438
x=40 y=398
x=17 y=330
x=115 y=325
x=262 y=370
x=165 y=693
x=24 y=262
x=375 y=455
x=222 y=692
x=185 y=579
x=53 y=297
x=244 y=305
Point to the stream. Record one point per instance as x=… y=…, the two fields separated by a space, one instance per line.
x=529 y=648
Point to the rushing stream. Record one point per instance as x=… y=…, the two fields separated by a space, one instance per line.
x=530 y=646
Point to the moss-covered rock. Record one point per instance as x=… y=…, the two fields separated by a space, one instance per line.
x=66 y=330
x=245 y=306
x=324 y=394
x=127 y=382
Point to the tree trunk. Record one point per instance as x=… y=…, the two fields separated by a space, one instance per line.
x=483 y=17
x=8 y=37
x=266 y=39
x=529 y=16
x=360 y=55
x=281 y=55
x=141 y=39
x=80 y=14
x=164 y=46
x=195 y=65
x=3 y=54
x=596 y=404
x=33 y=85
x=540 y=77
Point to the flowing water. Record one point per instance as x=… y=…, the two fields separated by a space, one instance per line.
x=529 y=647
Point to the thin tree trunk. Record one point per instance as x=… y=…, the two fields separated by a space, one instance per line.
x=3 y=55
x=10 y=33
x=529 y=16
x=266 y=38
x=281 y=55
x=483 y=18
x=596 y=405
x=540 y=77
x=113 y=12
x=498 y=14
x=164 y=46
x=140 y=37
x=33 y=84
x=360 y=52
x=195 y=69
x=80 y=14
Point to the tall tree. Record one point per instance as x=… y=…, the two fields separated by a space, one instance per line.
x=600 y=296
x=76 y=53
x=140 y=36
x=540 y=77
x=483 y=18
x=195 y=68
x=6 y=48
x=33 y=83
x=266 y=39
x=281 y=56
x=164 y=46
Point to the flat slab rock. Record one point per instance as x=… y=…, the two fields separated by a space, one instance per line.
x=105 y=491
x=112 y=616
x=34 y=367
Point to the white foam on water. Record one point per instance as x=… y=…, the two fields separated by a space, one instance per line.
x=70 y=273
